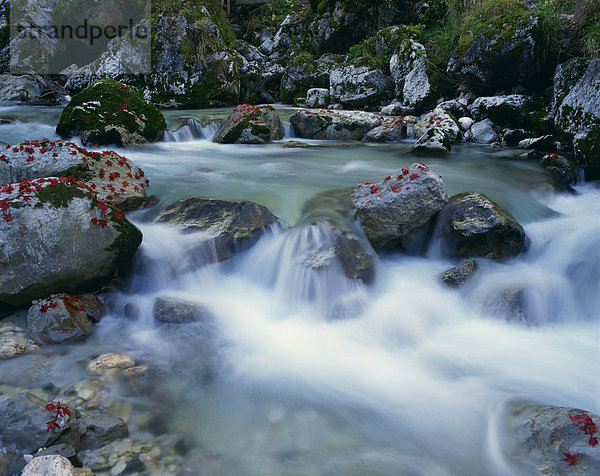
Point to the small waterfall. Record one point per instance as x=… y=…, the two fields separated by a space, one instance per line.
x=289 y=132
x=192 y=130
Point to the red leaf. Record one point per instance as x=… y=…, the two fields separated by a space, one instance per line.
x=571 y=459
x=593 y=441
x=579 y=419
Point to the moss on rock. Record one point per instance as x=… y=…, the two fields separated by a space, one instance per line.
x=110 y=112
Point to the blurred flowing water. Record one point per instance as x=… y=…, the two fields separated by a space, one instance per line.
x=411 y=382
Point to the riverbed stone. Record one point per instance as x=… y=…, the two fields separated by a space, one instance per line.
x=12 y=340
x=441 y=120
x=433 y=142
x=111 y=176
x=98 y=429
x=177 y=311
x=561 y=169
x=543 y=144
x=334 y=125
x=110 y=112
x=23 y=423
x=399 y=210
x=542 y=435
x=49 y=465
x=109 y=361
x=63 y=318
x=341 y=247
x=231 y=226
x=465 y=123
x=457 y=275
x=391 y=130
x=58 y=237
x=472 y=225
x=482 y=132
x=249 y=124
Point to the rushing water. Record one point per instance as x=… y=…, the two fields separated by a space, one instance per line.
x=413 y=383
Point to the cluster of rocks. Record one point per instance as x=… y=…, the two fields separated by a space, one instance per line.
x=79 y=430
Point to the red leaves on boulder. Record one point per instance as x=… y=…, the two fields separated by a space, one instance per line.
x=60 y=411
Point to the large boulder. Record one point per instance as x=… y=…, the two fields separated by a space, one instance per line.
x=334 y=125
x=501 y=52
x=551 y=440
x=357 y=86
x=508 y=111
x=399 y=210
x=24 y=423
x=473 y=225
x=415 y=80
x=260 y=76
x=19 y=88
x=63 y=318
x=57 y=236
x=441 y=120
x=577 y=111
x=231 y=226
x=112 y=176
x=249 y=124
x=110 y=112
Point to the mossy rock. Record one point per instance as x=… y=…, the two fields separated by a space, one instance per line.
x=110 y=112
x=250 y=125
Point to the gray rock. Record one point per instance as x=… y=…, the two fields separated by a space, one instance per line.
x=299 y=78
x=541 y=436
x=543 y=144
x=250 y=125
x=12 y=340
x=577 y=111
x=390 y=131
x=498 y=58
x=11 y=462
x=357 y=86
x=509 y=304
x=453 y=107
x=503 y=110
x=49 y=465
x=334 y=125
x=512 y=137
x=98 y=429
x=398 y=211
x=432 y=142
x=561 y=169
x=119 y=457
x=341 y=247
x=473 y=225
x=63 y=318
x=411 y=75
x=233 y=226
x=396 y=108
x=441 y=120
x=465 y=123
x=23 y=423
x=483 y=133
x=459 y=274
x=110 y=112
x=317 y=97
x=111 y=176
x=19 y=88
x=105 y=363
x=57 y=238
x=177 y=311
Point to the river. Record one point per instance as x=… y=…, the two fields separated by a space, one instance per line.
x=413 y=380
